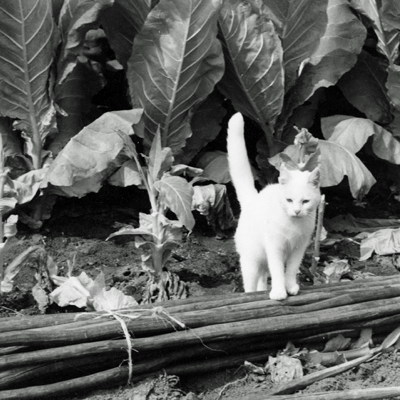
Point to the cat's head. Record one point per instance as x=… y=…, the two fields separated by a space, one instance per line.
x=300 y=191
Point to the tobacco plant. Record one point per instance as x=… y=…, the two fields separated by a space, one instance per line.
x=158 y=235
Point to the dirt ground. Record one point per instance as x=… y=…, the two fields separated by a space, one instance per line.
x=209 y=267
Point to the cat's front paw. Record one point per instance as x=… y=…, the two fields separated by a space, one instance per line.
x=278 y=294
x=293 y=290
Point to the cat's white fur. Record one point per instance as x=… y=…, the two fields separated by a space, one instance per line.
x=276 y=224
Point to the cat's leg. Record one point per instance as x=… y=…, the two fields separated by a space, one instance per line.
x=277 y=272
x=250 y=271
x=292 y=269
x=263 y=275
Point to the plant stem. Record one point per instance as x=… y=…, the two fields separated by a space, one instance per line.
x=2 y=183
x=315 y=258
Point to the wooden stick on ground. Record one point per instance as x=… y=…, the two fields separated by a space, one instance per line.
x=354 y=394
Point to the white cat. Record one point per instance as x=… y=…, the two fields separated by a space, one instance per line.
x=276 y=224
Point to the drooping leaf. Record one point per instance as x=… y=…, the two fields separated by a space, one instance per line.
x=122 y=22
x=94 y=154
x=364 y=87
x=336 y=54
x=127 y=175
x=176 y=193
x=176 y=62
x=10 y=226
x=107 y=300
x=73 y=291
x=215 y=166
x=27 y=185
x=133 y=231
x=382 y=242
x=336 y=162
x=205 y=125
x=28 y=39
x=353 y=133
x=253 y=78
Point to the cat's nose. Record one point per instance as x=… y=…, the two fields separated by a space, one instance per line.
x=297 y=212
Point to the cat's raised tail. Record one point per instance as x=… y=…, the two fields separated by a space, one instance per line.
x=239 y=165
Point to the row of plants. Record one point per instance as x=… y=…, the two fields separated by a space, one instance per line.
x=81 y=79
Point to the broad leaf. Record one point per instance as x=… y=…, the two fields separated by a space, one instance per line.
x=160 y=160
x=253 y=78
x=353 y=133
x=94 y=154
x=28 y=39
x=382 y=242
x=107 y=300
x=205 y=124
x=78 y=79
x=76 y=18
x=215 y=166
x=364 y=87
x=385 y=21
x=122 y=22
x=127 y=175
x=176 y=194
x=176 y=62
x=336 y=162
x=300 y=25
x=336 y=54
x=28 y=185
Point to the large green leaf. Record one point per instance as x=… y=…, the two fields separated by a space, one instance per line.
x=336 y=54
x=364 y=87
x=253 y=79
x=93 y=154
x=28 y=38
x=176 y=62
x=176 y=193
x=122 y=22
x=353 y=133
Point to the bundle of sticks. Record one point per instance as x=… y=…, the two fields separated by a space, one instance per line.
x=52 y=355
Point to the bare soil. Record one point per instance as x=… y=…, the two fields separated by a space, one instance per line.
x=208 y=266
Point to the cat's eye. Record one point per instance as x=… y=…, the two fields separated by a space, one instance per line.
x=289 y=200
x=306 y=201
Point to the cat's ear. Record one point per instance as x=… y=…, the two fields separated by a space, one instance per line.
x=315 y=177
x=284 y=174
